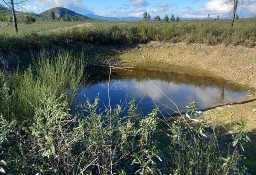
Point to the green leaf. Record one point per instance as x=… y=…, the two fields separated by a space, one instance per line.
x=2 y=162
x=248 y=138
x=235 y=143
x=2 y=170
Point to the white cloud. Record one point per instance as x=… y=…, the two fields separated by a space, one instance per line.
x=129 y=12
x=218 y=6
x=32 y=8
x=139 y=3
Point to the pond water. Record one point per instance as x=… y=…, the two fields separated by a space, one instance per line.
x=169 y=91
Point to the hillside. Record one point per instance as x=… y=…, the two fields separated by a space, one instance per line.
x=61 y=12
x=3 y=9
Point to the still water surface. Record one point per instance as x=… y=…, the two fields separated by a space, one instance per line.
x=157 y=88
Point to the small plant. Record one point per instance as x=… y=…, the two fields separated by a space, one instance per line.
x=146 y=160
x=192 y=111
x=240 y=135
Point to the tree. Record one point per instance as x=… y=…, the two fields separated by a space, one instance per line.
x=74 y=18
x=145 y=15
x=234 y=10
x=157 y=18
x=178 y=19
x=235 y=4
x=29 y=20
x=173 y=18
x=52 y=15
x=67 y=17
x=166 y=18
x=218 y=17
x=11 y=4
x=149 y=17
x=237 y=17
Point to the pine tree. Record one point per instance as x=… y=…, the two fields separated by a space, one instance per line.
x=237 y=17
x=145 y=15
x=149 y=17
x=166 y=18
x=218 y=17
x=67 y=17
x=173 y=18
x=52 y=14
x=157 y=18
x=178 y=19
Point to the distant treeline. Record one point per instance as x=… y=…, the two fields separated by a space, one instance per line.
x=67 y=17
x=147 y=17
x=23 y=18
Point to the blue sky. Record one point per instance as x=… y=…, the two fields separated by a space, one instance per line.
x=135 y=8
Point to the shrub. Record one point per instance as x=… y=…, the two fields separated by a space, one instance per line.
x=29 y=19
x=58 y=142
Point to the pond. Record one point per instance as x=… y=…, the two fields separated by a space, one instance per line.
x=170 y=91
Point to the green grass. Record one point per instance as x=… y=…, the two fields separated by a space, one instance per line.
x=39 y=26
x=50 y=75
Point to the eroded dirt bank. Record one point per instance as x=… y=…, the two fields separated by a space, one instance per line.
x=235 y=63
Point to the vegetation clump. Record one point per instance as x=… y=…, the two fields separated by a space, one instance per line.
x=29 y=19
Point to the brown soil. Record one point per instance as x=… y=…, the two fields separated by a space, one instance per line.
x=233 y=63
x=229 y=115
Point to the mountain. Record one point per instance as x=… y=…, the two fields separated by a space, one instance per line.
x=61 y=12
x=114 y=18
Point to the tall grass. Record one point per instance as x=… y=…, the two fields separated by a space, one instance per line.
x=50 y=75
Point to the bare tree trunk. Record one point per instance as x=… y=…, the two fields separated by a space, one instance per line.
x=234 y=12
x=14 y=19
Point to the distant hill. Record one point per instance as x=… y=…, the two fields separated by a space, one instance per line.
x=3 y=9
x=61 y=12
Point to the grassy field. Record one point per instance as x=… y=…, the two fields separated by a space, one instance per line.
x=41 y=26
x=50 y=34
